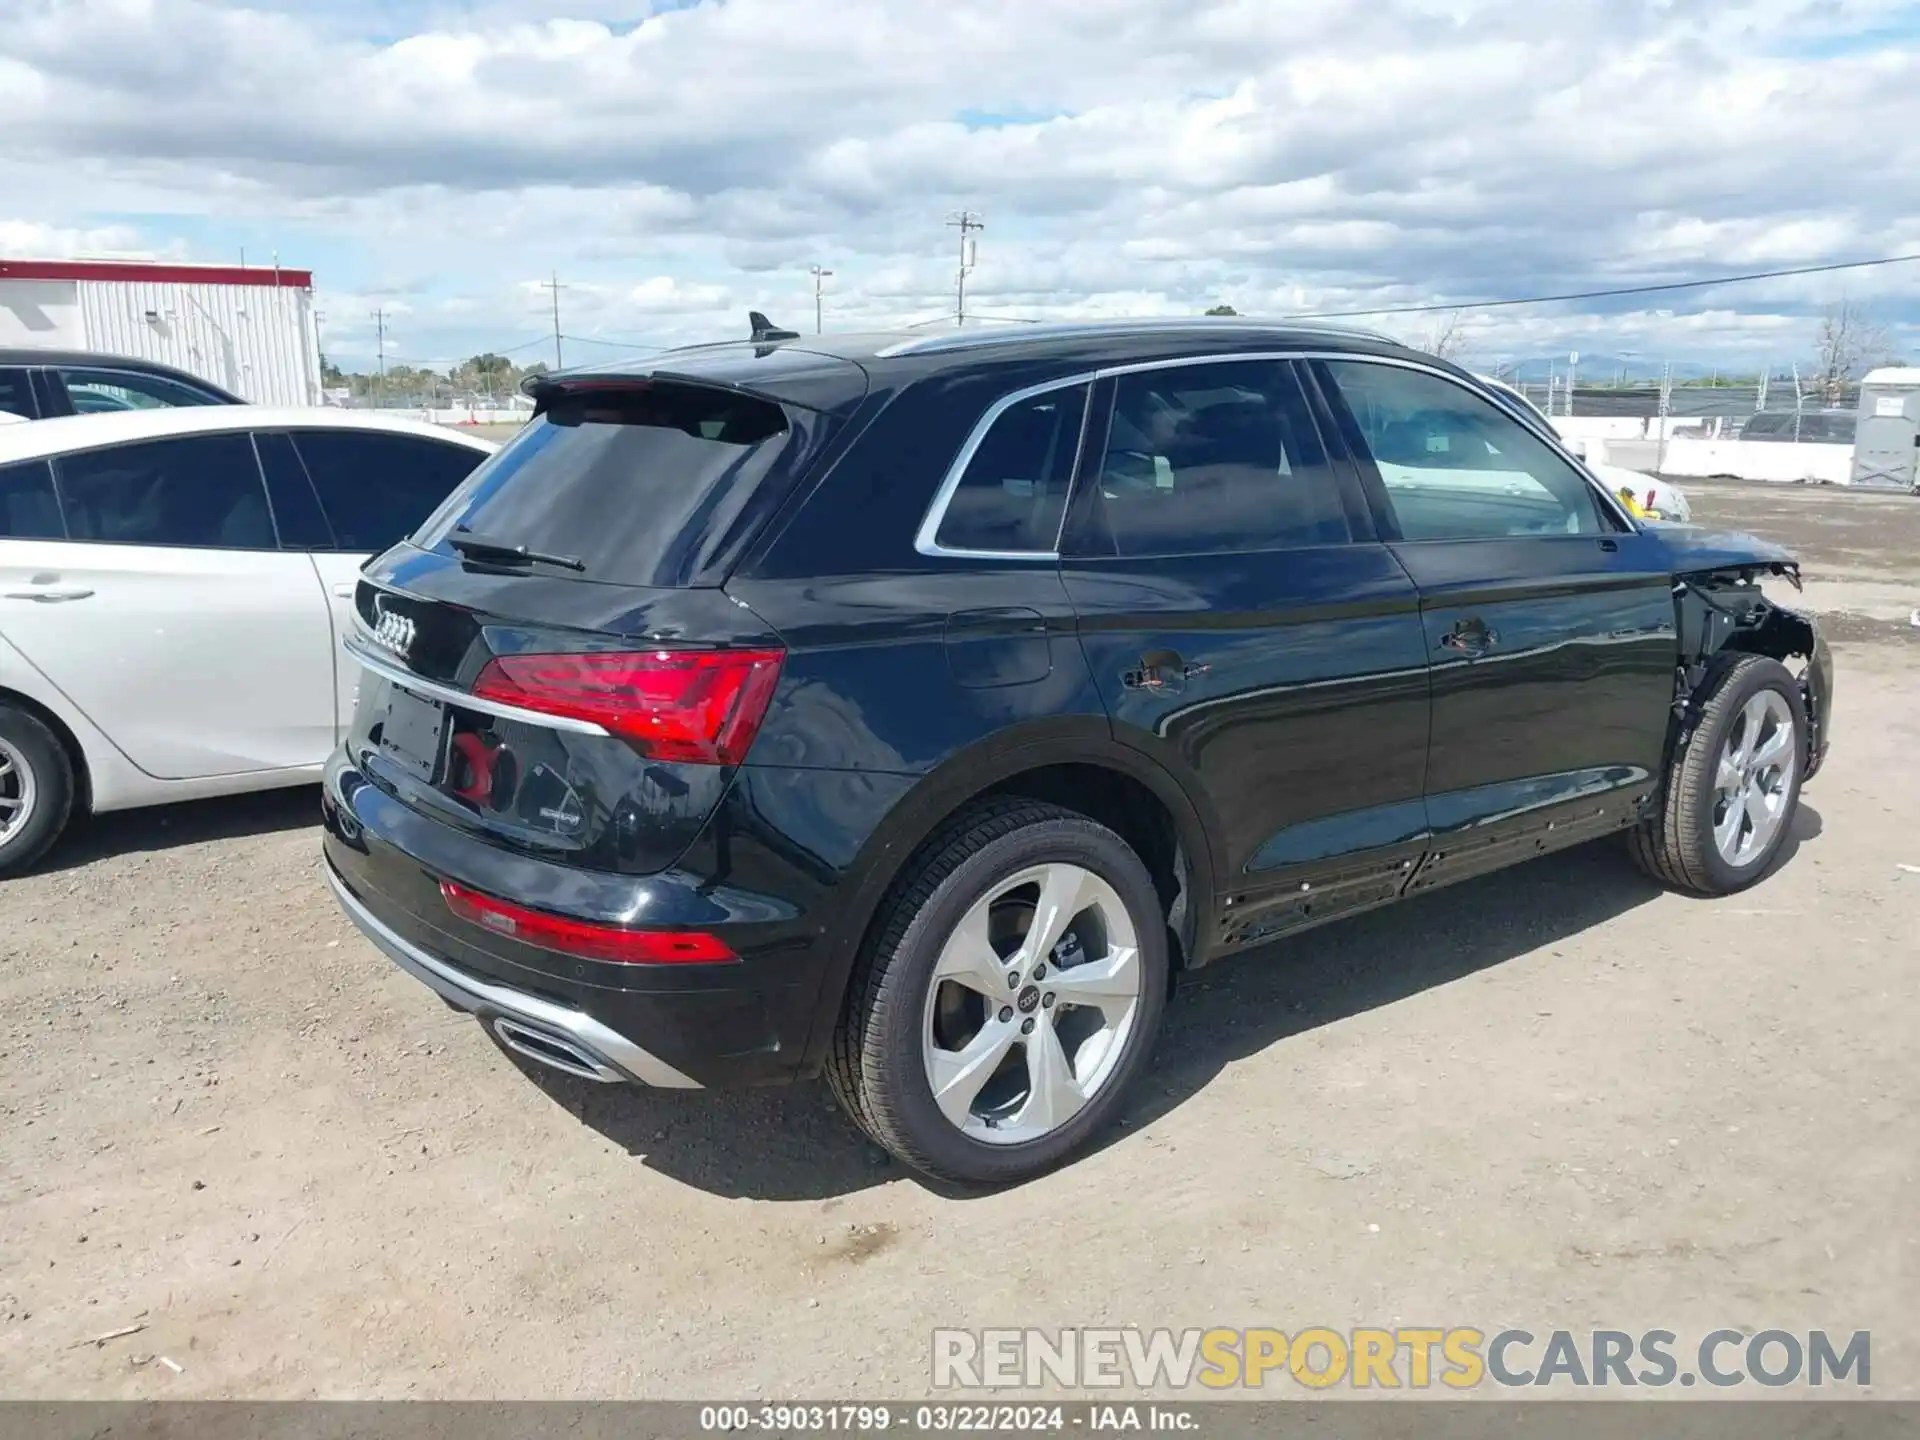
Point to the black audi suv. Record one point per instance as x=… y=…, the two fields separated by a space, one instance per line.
x=913 y=708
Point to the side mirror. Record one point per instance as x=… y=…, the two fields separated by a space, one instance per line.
x=1577 y=448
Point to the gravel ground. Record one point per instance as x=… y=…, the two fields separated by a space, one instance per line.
x=1555 y=1097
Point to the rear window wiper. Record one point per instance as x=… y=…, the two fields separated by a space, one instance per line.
x=476 y=547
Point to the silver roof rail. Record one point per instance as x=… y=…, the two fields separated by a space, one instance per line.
x=955 y=340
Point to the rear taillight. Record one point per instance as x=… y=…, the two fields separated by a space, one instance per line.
x=586 y=939
x=696 y=707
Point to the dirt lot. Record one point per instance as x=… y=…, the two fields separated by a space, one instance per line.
x=1557 y=1097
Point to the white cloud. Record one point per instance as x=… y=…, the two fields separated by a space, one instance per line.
x=1129 y=155
x=59 y=242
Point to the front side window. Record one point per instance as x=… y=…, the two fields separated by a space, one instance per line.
x=1455 y=466
x=1215 y=459
x=1013 y=492
x=95 y=391
x=199 y=491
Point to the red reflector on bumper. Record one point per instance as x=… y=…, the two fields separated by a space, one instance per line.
x=585 y=938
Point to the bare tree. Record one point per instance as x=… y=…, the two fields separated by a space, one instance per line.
x=1446 y=337
x=1848 y=344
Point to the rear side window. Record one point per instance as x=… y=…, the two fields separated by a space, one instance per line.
x=199 y=491
x=378 y=489
x=640 y=484
x=1457 y=467
x=95 y=391
x=16 y=393
x=1214 y=459
x=1012 y=493
x=29 y=509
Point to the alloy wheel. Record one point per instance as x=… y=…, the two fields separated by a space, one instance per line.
x=1033 y=999
x=17 y=792
x=1754 y=778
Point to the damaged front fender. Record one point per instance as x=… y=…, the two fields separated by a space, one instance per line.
x=1723 y=610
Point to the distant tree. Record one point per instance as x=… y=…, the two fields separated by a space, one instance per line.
x=538 y=367
x=1848 y=344
x=1222 y=310
x=1445 y=339
x=331 y=374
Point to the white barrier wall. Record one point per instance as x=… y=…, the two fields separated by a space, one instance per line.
x=461 y=416
x=1748 y=459
x=1626 y=427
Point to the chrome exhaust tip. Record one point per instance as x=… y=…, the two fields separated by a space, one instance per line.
x=555 y=1052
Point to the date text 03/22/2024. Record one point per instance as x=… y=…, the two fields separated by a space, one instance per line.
x=990 y=1419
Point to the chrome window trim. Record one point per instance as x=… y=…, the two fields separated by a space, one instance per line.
x=355 y=646
x=924 y=541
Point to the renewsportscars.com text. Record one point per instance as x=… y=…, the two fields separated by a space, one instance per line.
x=1401 y=1357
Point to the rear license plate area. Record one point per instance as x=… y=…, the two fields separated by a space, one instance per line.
x=413 y=734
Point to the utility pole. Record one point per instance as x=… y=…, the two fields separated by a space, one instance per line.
x=818 y=276
x=966 y=222
x=380 y=349
x=1666 y=415
x=556 y=287
x=320 y=350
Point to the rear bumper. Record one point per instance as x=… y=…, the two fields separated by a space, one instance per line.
x=585 y=1047
x=753 y=1022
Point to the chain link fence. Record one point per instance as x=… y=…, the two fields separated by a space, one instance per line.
x=1774 y=408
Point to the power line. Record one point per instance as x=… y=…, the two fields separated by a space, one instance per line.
x=628 y=345
x=523 y=345
x=1610 y=294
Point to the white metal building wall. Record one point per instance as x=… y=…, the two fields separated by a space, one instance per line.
x=258 y=341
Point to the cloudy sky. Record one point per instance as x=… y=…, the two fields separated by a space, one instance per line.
x=677 y=163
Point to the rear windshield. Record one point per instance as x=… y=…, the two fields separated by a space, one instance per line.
x=640 y=485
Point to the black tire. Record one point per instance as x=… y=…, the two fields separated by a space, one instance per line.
x=877 y=1069
x=38 y=751
x=1675 y=844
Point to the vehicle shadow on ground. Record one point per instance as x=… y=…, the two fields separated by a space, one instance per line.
x=191 y=822
x=791 y=1143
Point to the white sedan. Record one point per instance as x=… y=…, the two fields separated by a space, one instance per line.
x=1648 y=496
x=174 y=584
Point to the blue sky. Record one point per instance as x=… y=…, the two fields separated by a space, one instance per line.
x=676 y=164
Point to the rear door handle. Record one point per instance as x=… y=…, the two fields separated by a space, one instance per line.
x=1162 y=670
x=1471 y=637
x=50 y=595
x=345 y=592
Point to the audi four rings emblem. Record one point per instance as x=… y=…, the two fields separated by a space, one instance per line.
x=394 y=632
